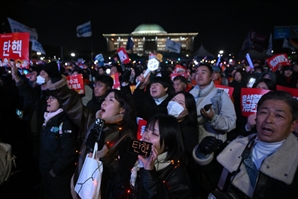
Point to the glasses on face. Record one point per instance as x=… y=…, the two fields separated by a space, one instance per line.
x=51 y=98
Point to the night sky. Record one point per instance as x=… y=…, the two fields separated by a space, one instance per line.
x=221 y=25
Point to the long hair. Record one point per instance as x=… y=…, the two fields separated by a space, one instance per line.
x=190 y=104
x=130 y=115
x=170 y=135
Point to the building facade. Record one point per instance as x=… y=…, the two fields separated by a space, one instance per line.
x=148 y=38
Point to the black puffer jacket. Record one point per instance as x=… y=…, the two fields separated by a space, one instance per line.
x=58 y=151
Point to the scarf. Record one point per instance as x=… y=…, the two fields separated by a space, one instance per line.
x=48 y=115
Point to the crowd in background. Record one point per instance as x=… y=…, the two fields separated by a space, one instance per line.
x=187 y=135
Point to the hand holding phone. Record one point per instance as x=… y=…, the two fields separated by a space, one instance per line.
x=207 y=107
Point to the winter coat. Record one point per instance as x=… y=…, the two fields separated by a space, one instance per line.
x=224 y=119
x=278 y=175
x=169 y=182
x=146 y=106
x=58 y=148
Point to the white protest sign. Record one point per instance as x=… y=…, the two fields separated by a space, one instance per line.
x=152 y=65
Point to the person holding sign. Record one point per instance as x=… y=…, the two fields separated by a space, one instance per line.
x=263 y=164
x=163 y=174
x=284 y=76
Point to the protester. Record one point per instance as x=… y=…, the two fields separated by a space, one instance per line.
x=179 y=83
x=163 y=174
x=58 y=137
x=284 y=77
x=156 y=100
x=254 y=161
x=218 y=76
x=183 y=107
x=102 y=84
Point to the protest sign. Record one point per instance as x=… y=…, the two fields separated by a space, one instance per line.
x=115 y=77
x=229 y=90
x=141 y=127
x=249 y=100
x=124 y=58
x=76 y=83
x=292 y=91
x=15 y=46
x=276 y=60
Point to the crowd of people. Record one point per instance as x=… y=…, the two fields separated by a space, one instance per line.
x=202 y=145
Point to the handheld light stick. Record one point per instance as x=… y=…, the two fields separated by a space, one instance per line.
x=249 y=60
x=152 y=65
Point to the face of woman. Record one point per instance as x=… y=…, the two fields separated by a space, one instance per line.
x=238 y=77
x=110 y=106
x=180 y=99
x=152 y=135
x=52 y=104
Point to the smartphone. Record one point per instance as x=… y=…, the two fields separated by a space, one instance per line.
x=251 y=82
x=207 y=107
x=138 y=147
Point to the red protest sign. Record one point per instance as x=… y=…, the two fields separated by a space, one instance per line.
x=15 y=46
x=249 y=100
x=292 y=91
x=124 y=58
x=75 y=82
x=229 y=90
x=279 y=59
x=141 y=127
x=115 y=77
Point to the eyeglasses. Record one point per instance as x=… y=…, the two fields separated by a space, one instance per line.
x=51 y=98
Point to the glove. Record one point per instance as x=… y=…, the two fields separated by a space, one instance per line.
x=208 y=145
x=53 y=72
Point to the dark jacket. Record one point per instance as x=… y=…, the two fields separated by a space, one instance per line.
x=58 y=151
x=146 y=106
x=169 y=182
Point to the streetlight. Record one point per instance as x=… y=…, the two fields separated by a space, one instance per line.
x=72 y=54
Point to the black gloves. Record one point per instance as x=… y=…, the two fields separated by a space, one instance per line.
x=53 y=71
x=208 y=145
x=96 y=135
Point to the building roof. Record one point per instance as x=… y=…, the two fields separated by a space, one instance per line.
x=148 y=29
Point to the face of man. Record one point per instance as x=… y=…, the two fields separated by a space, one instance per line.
x=203 y=76
x=100 y=89
x=157 y=90
x=33 y=76
x=274 y=121
x=179 y=86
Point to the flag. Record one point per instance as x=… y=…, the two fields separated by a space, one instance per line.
x=173 y=46
x=286 y=44
x=84 y=30
x=36 y=46
x=18 y=27
x=270 y=46
x=130 y=43
x=246 y=43
x=257 y=40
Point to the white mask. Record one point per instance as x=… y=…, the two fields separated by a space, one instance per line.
x=40 y=80
x=174 y=108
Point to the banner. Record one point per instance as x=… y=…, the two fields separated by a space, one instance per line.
x=18 y=27
x=84 y=30
x=229 y=90
x=141 y=127
x=115 y=77
x=292 y=91
x=124 y=58
x=287 y=44
x=36 y=46
x=15 y=46
x=76 y=83
x=276 y=60
x=249 y=100
x=173 y=46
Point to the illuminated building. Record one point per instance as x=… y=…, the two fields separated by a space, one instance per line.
x=148 y=38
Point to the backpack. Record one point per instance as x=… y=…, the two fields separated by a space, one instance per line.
x=7 y=161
